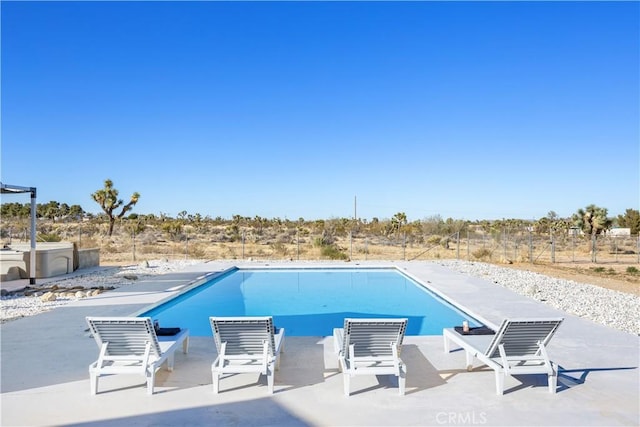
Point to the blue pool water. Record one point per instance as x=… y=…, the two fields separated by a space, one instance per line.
x=310 y=302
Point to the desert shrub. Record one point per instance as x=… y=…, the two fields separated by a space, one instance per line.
x=49 y=237
x=109 y=248
x=598 y=269
x=218 y=237
x=632 y=270
x=363 y=250
x=197 y=252
x=147 y=238
x=231 y=252
x=279 y=248
x=332 y=252
x=434 y=240
x=146 y=249
x=444 y=242
x=283 y=238
x=482 y=253
x=173 y=229
x=90 y=242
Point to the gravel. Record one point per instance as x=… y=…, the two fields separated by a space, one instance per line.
x=611 y=308
x=15 y=306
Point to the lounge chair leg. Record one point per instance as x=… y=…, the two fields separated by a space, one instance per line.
x=93 y=378
x=446 y=343
x=170 y=362
x=347 y=379
x=270 y=377
x=499 y=383
x=150 y=374
x=216 y=382
x=185 y=345
x=402 y=380
x=469 y=361
x=553 y=380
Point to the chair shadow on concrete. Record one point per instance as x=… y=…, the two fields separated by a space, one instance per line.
x=567 y=378
x=421 y=374
x=301 y=365
x=570 y=378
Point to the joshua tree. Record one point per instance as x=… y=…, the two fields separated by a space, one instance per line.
x=592 y=220
x=398 y=221
x=108 y=200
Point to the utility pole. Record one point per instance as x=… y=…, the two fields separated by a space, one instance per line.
x=355 y=207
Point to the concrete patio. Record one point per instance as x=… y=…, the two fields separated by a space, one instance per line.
x=45 y=381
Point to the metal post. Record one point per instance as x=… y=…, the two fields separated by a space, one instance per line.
x=242 y=244
x=32 y=254
x=504 y=244
x=351 y=245
x=186 y=247
x=366 y=248
x=133 y=238
x=553 y=249
x=298 y=244
x=457 y=245
x=468 y=246
x=404 y=246
x=530 y=247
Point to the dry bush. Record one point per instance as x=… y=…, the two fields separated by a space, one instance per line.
x=482 y=254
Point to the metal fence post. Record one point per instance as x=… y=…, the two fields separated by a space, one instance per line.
x=404 y=246
x=553 y=248
x=457 y=245
x=351 y=245
x=504 y=244
x=366 y=247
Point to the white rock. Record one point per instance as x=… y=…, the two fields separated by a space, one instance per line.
x=49 y=296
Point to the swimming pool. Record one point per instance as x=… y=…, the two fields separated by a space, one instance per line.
x=311 y=302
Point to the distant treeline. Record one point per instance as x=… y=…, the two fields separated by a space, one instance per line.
x=592 y=220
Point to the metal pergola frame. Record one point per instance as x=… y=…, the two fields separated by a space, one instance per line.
x=16 y=189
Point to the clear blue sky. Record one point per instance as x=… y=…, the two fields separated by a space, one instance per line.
x=295 y=109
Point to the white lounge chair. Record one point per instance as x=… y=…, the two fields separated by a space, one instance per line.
x=370 y=347
x=517 y=348
x=245 y=345
x=129 y=345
